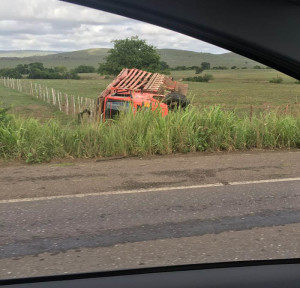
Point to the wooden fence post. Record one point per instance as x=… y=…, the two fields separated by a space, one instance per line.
x=74 y=103
x=36 y=90
x=79 y=106
x=52 y=96
x=47 y=93
x=59 y=104
x=31 y=89
x=67 y=103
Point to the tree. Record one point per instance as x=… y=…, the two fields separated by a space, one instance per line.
x=233 y=67
x=60 y=69
x=198 y=70
x=22 y=69
x=163 y=65
x=130 y=53
x=36 y=65
x=205 y=65
x=10 y=73
x=85 y=69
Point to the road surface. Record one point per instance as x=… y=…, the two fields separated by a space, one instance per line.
x=96 y=215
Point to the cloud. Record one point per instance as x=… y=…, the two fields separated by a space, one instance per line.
x=60 y=26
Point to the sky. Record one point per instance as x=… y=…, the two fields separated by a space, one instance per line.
x=52 y=25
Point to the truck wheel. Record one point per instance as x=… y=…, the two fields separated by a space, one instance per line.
x=175 y=100
x=81 y=114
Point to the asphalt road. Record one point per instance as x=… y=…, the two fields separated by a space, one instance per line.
x=239 y=207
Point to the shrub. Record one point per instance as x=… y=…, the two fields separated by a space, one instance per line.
x=277 y=80
x=84 y=69
x=10 y=73
x=199 y=70
x=204 y=78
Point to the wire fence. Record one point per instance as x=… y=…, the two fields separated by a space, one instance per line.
x=69 y=104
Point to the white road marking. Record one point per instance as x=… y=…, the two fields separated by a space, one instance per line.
x=161 y=189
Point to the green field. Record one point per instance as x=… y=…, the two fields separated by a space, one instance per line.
x=232 y=89
x=25 y=106
x=94 y=56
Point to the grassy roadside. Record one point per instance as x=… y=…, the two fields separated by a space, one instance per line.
x=146 y=133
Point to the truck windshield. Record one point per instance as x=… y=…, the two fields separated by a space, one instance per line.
x=114 y=107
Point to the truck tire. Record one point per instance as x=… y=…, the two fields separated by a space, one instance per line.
x=81 y=114
x=175 y=100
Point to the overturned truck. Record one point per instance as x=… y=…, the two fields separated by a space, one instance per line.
x=136 y=88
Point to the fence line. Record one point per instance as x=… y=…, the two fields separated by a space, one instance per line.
x=69 y=104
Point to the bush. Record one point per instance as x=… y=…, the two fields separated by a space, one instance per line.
x=10 y=73
x=204 y=78
x=276 y=80
x=4 y=117
x=199 y=70
x=84 y=69
x=38 y=71
x=205 y=65
x=257 y=67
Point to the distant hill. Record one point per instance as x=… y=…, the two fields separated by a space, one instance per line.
x=189 y=58
x=25 y=53
x=95 y=56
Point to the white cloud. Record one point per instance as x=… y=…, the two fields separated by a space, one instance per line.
x=55 y=25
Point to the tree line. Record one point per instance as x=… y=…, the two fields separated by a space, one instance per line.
x=36 y=70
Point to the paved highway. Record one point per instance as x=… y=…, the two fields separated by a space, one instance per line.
x=239 y=210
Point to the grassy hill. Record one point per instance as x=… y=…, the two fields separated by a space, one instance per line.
x=94 y=56
x=189 y=58
x=25 y=53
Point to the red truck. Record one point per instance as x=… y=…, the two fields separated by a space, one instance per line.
x=134 y=89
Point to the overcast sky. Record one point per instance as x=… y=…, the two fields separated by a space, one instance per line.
x=59 y=26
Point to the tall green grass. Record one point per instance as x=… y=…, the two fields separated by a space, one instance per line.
x=147 y=133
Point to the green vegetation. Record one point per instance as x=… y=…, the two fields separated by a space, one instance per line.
x=236 y=89
x=239 y=89
x=24 y=106
x=147 y=133
x=277 y=80
x=37 y=70
x=10 y=73
x=132 y=53
x=204 y=78
x=272 y=122
x=84 y=69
